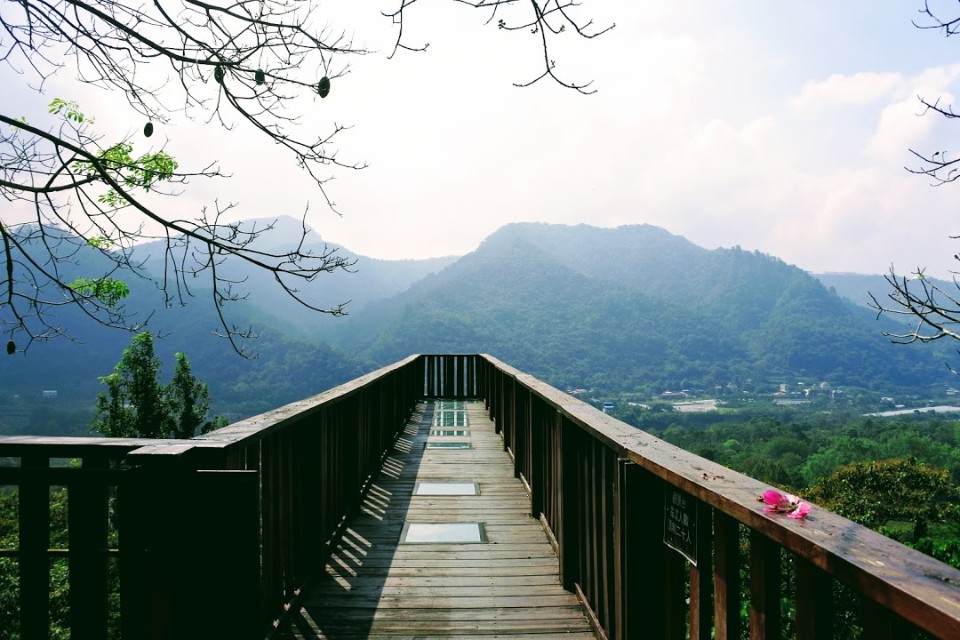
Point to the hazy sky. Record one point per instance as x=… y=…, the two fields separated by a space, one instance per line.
x=781 y=127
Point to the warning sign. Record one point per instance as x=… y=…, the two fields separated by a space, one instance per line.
x=680 y=522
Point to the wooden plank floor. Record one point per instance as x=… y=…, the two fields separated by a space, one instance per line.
x=504 y=587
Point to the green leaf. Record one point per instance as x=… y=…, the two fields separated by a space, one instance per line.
x=107 y=290
x=100 y=242
x=69 y=109
x=140 y=172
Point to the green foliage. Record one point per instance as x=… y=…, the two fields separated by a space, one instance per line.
x=830 y=459
x=880 y=494
x=117 y=161
x=132 y=172
x=9 y=569
x=190 y=400
x=109 y=291
x=67 y=108
x=59 y=607
x=582 y=307
x=100 y=242
x=137 y=404
x=134 y=403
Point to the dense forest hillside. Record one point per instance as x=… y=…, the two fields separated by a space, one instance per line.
x=287 y=366
x=367 y=280
x=633 y=309
x=637 y=308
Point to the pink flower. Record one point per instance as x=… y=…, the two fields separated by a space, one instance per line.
x=801 y=511
x=792 y=505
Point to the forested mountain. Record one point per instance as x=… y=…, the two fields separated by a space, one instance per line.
x=287 y=366
x=369 y=279
x=857 y=287
x=629 y=309
x=638 y=308
x=292 y=360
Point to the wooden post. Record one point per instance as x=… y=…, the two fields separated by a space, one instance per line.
x=879 y=623
x=538 y=414
x=726 y=572
x=639 y=554
x=447 y=382
x=87 y=518
x=190 y=543
x=814 y=602
x=521 y=426
x=674 y=612
x=34 y=541
x=621 y=545
x=570 y=509
x=764 y=587
x=701 y=577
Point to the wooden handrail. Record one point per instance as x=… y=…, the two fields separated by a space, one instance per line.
x=617 y=486
x=216 y=533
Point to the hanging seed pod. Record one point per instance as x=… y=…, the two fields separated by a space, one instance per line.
x=11 y=348
x=148 y=129
x=323 y=88
x=218 y=74
x=260 y=77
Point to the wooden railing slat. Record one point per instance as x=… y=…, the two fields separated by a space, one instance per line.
x=34 y=498
x=726 y=571
x=814 y=602
x=88 y=529
x=675 y=611
x=569 y=505
x=701 y=578
x=764 y=588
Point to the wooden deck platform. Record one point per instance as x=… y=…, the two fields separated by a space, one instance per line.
x=505 y=586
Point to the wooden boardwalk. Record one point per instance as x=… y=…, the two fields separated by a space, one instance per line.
x=505 y=586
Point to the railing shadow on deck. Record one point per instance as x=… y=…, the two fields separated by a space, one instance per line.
x=217 y=536
x=351 y=552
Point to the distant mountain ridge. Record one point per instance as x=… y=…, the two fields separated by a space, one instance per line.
x=369 y=279
x=637 y=306
x=857 y=287
x=634 y=308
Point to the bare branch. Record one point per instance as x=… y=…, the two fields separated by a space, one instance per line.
x=545 y=20
x=238 y=61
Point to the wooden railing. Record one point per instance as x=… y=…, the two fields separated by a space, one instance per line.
x=611 y=496
x=214 y=536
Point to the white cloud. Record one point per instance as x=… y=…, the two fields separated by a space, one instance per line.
x=709 y=127
x=902 y=124
x=855 y=89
